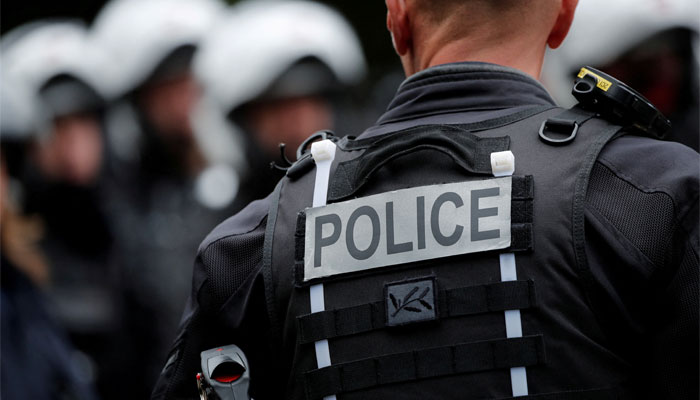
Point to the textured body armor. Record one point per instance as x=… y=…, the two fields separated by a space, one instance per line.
x=453 y=325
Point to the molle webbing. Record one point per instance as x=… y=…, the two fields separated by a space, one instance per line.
x=427 y=363
x=468 y=300
x=521 y=213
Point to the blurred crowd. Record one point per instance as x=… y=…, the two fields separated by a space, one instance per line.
x=123 y=143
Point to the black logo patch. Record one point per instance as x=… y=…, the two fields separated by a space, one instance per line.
x=410 y=301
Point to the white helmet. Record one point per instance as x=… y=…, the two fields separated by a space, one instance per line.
x=604 y=30
x=33 y=54
x=139 y=34
x=259 y=40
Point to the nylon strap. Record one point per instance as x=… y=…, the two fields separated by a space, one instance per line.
x=575 y=114
x=451 y=303
x=323 y=153
x=421 y=364
x=514 y=329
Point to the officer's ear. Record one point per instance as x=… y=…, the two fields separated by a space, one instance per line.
x=562 y=24
x=397 y=22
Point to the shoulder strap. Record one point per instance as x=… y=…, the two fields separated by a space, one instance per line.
x=568 y=123
x=275 y=326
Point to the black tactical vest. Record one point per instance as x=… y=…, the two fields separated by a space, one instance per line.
x=415 y=306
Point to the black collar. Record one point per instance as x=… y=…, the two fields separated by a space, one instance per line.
x=466 y=91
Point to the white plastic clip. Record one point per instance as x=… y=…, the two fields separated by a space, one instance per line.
x=502 y=163
x=322 y=150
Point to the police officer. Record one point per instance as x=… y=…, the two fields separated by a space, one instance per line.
x=155 y=163
x=283 y=88
x=39 y=360
x=49 y=69
x=450 y=251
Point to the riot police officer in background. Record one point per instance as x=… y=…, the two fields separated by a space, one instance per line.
x=38 y=360
x=155 y=162
x=280 y=89
x=50 y=70
x=477 y=242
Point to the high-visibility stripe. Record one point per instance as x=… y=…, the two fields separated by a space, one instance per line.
x=323 y=153
x=514 y=328
x=503 y=164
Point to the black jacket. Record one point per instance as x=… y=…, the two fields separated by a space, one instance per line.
x=641 y=241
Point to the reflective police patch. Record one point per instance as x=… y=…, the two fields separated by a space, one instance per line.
x=410 y=301
x=407 y=225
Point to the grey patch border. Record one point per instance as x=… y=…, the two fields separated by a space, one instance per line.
x=308 y=277
x=436 y=301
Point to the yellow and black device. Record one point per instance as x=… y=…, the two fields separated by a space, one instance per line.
x=599 y=92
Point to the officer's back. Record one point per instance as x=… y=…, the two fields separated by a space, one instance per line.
x=413 y=262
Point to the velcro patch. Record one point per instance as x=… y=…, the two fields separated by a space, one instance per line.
x=408 y=225
x=410 y=301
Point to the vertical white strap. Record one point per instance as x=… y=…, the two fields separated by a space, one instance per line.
x=514 y=328
x=323 y=153
x=503 y=164
x=323 y=355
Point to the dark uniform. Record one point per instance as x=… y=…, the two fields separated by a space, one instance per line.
x=38 y=360
x=605 y=312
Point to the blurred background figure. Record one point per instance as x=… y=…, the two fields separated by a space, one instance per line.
x=38 y=360
x=651 y=45
x=156 y=164
x=48 y=68
x=275 y=70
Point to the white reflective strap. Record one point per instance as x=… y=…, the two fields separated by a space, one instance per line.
x=323 y=354
x=508 y=272
x=323 y=153
x=518 y=379
x=503 y=164
x=317 y=299
x=514 y=328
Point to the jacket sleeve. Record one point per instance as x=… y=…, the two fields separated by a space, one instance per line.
x=226 y=306
x=673 y=330
x=642 y=243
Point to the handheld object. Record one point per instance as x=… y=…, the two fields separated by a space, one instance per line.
x=225 y=374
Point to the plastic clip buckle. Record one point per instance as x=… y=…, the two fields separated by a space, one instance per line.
x=560 y=126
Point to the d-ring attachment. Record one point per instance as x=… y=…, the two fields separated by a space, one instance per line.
x=559 y=126
x=306 y=144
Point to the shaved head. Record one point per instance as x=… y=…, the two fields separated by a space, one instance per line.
x=462 y=16
x=439 y=10
x=506 y=32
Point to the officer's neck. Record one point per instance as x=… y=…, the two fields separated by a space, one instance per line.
x=519 y=53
